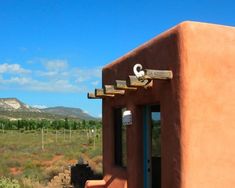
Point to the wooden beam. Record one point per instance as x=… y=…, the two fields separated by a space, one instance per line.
x=133 y=81
x=100 y=93
x=109 y=89
x=158 y=74
x=121 y=84
x=92 y=96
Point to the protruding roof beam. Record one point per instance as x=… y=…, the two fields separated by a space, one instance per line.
x=133 y=81
x=150 y=74
x=100 y=93
x=92 y=96
x=121 y=84
x=109 y=89
x=158 y=74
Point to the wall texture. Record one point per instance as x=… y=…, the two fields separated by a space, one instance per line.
x=197 y=108
x=208 y=129
x=162 y=52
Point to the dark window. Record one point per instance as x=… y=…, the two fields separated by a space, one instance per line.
x=120 y=138
x=156 y=131
x=156 y=146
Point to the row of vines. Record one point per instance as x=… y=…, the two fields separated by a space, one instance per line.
x=34 y=124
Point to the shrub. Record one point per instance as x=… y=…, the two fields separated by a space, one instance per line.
x=51 y=172
x=90 y=141
x=8 y=183
x=94 y=152
x=28 y=183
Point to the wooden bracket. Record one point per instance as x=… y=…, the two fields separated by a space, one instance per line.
x=150 y=74
x=109 y=89
x=92 y=96
x=121 y=84
x=145 y=79
x=157 y=74
x=133 y=81
x=100 y=93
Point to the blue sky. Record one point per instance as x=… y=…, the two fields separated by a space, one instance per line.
x=52 y=51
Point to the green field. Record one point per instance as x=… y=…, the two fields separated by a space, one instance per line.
x=30 y=156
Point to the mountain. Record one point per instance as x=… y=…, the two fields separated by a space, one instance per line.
x=15 y=104
x=69 y=112
x=12 y=108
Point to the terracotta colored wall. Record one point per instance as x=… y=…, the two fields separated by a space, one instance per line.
x=208 y=129
x=197 y=108
x=159 y=53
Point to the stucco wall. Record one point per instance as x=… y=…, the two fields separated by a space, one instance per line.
x=208 y=129
x=161 y=52
x=197 y=108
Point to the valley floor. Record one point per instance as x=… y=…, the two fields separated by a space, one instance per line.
x=34 y=159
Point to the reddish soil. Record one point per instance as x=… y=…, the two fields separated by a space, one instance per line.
x=15 y=171
x=72 y=162
x=53 y=160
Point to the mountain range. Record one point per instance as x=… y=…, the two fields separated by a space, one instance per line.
x=13 y=108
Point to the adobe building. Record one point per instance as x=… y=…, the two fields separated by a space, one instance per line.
x=172 y=123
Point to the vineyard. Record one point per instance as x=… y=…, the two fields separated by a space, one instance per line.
x=34 y=151
x=35 y=124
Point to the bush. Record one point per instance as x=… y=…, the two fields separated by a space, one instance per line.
x=28 y=183
x=90 y=141
x=94 y=152
x=8 y=183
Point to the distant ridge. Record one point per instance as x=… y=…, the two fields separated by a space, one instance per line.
x=14 y=104
x=13 y=108
x=67 y=111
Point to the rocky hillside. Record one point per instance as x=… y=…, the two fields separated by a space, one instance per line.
x=12 y=108
x=13 y=104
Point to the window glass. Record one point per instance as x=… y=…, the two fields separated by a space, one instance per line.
x=120 y=138
x=156 y=132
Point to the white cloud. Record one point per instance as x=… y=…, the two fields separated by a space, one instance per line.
x=56 y=76
x=47 y=73
x=54 y=86
x=87 y=74
x=30 y=84
x=39 y=106
x=95 y=83
x=86 y=112
x=19 y=80
x=76 y=75
x=55 y=64
x=13 y=69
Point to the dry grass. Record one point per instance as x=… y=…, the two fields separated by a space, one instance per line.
x=23 y=159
